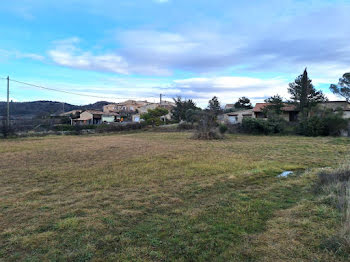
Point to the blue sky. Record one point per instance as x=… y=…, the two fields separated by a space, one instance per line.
x=193 y=48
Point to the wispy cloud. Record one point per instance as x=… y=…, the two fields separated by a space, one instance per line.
x=9 y=54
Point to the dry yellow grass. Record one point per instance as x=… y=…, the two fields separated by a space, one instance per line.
x=161 y=197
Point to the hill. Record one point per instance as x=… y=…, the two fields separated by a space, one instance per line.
x=45 y=108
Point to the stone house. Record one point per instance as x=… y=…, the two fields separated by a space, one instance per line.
x=236 y=117
x=94 y=117
x=126 y=106
x=289 y=112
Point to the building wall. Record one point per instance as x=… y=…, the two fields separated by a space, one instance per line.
x=106 y=108
x=108 y=119
x=237 y=117
x=86 y=115
x=346 y=114
x=336 y=105
x=285 y=116
x=145 y=108
x=136 y=118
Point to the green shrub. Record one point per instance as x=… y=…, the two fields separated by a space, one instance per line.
x=207 y=126
x=185 y=126
x=6 y=131
x=255 y=126
x=334 y=124
x=277 y=124
x=223 y=128
x=234 y=128
x=73 y=128
x=64 y=128
x=312 y=126
x=327 y=124
x=153 y=116
x=260 y=126
x=117 y=127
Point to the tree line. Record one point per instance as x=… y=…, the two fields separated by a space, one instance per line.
x=303 y=95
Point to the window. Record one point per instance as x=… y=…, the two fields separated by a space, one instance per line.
x=260 y=115
x=293 y=116
x=232 y=119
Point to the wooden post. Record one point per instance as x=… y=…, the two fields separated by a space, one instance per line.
x=8 y=102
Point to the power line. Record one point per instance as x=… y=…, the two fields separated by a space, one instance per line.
x=72 y=93
x=66 y=92
x=80 y=94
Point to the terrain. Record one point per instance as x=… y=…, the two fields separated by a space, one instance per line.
x=165 y=197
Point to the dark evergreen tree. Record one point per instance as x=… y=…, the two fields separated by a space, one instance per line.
x=304 y=94
x=243 y=103
x=181 y=107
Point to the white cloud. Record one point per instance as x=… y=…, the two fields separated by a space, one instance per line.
x=8 y=54
x=228 y=88
x=66 y=53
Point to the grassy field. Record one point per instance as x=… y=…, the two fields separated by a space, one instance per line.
x=164 y=197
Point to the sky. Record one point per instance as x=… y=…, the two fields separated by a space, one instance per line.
x=138 y=49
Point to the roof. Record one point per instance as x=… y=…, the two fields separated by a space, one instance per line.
x=72 y=112
x=167 y=103
x=241 y=112
x=335 y=105
x=229 y=106
x=346 y=102
x=259 y=107
x=82 y=118
x=95 y=112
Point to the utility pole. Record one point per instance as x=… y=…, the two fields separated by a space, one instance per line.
x=160 y=99
x=8 y=102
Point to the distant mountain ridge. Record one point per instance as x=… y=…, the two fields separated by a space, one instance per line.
x=45 y=108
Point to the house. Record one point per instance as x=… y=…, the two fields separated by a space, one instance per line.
x=229 y=106
x=337 y=106
x=94 y=117
x=127 y=106
x=289 y=111
x=169 y=106
x=236 y=117
x=145 y=108
x=151 y=106
x=133 y=110
x=72 y=113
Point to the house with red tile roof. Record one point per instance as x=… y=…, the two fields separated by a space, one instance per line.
x=289 y=111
